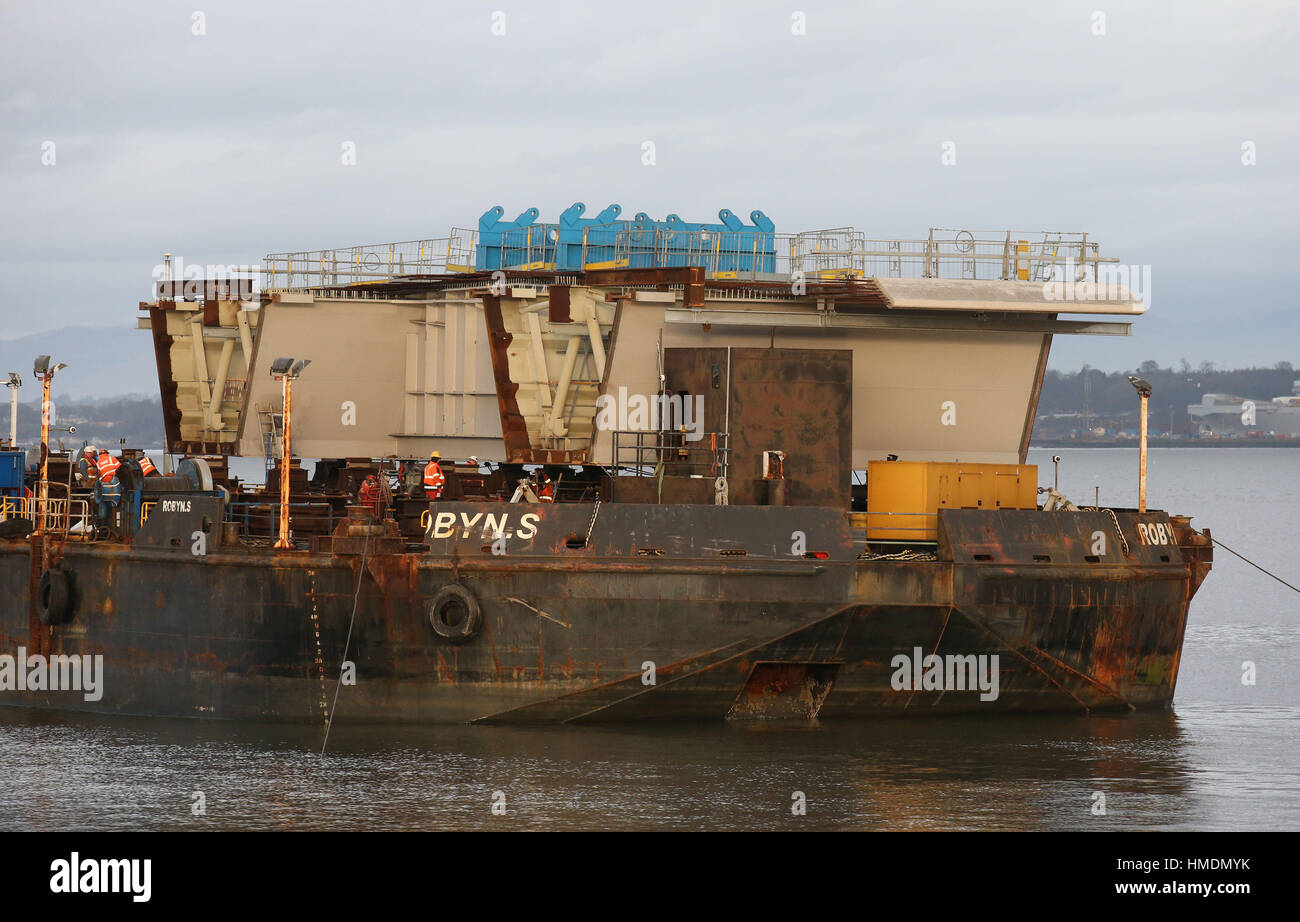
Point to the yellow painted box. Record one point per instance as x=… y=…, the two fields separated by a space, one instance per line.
x=904 y=497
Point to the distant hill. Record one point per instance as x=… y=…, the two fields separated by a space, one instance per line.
x=102 y=362
x=102 y=423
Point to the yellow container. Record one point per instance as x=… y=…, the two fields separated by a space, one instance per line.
x=904 y=497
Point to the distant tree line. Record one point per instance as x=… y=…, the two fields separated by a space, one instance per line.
x=1103 y=394
x=100 y=422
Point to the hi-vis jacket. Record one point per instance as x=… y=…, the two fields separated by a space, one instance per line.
x=108 y=466
x=434 y=480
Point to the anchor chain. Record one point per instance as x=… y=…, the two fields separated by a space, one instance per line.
x=1114 y=520
x=320 y=656
x=1119 y=531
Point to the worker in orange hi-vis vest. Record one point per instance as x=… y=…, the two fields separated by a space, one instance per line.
x=108 y=491
x=87 y=468
x=544 y=486
x=146 y=466
x=108 y=466
x=369 y=494
x=434 y=479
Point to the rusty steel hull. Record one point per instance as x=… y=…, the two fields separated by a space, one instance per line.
x=603 y=633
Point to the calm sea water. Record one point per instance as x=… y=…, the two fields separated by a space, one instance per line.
x=1227 y=758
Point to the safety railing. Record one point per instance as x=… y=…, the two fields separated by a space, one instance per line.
x=842 y=252
x=965 y=254
x=370 y=262
x=648 y=452
x=531 y=247
x=461 y=250
x=723 y=254
x=834 y=252
x=837 y=252
x=56 y=514
x=256 y=517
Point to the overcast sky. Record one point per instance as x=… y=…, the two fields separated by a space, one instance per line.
x=224 y=146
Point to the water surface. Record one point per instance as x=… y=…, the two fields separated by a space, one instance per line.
x=1226 y=758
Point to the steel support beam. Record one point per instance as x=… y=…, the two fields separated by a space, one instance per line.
x=896 y=321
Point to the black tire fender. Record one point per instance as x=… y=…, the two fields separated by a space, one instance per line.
x=53 y=597
x=454 y=614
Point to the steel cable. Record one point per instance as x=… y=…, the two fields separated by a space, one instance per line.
x=1253 y=564
x=356 y=596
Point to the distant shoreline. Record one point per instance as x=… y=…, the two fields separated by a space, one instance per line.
x=1168 y=443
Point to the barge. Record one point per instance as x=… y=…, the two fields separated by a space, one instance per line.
x=789 y=471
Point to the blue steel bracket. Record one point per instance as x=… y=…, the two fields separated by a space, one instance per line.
x=727 y=248
x=597 y=233
x=736 y=248
x=492 y=233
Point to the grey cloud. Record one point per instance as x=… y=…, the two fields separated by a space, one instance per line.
x=224 y=147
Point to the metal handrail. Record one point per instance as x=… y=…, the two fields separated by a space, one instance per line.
x=836 y=252
x=370 y=262
x=651 y=447
x=248 y=517
x=842 y=252
x=531 y=247
x=57 y=514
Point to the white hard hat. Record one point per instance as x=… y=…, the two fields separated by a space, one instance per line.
x=91 y=449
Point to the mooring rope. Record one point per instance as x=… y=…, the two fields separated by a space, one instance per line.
x=1253 y=564
x=591 y=525
x=361 y=572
